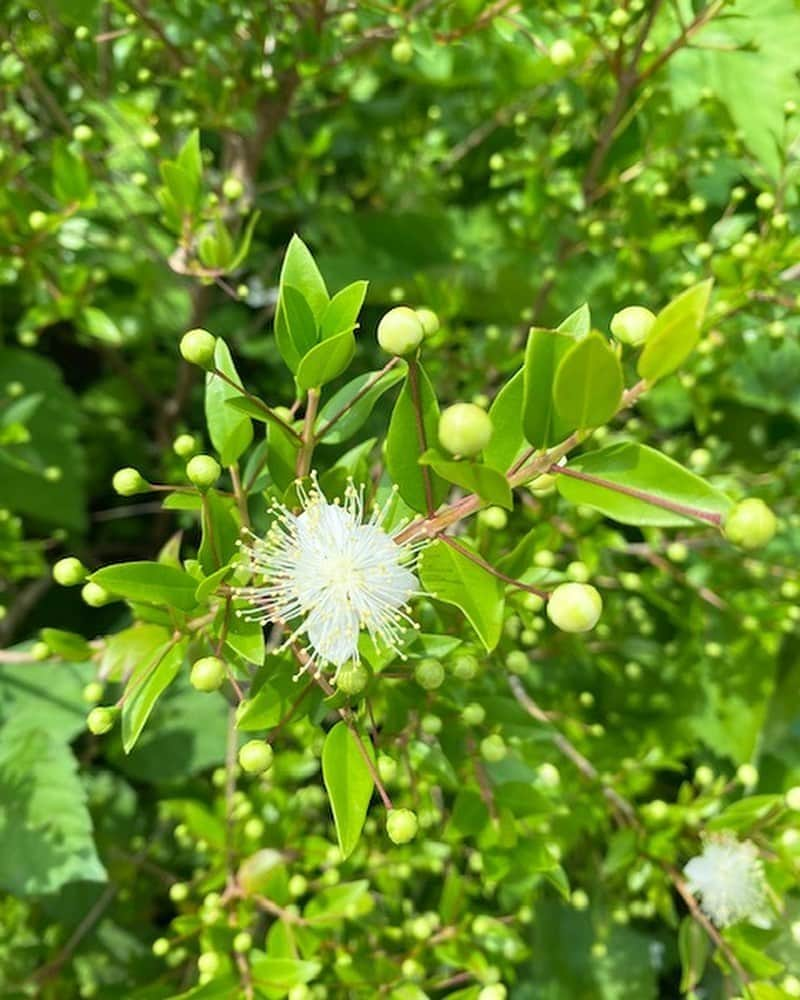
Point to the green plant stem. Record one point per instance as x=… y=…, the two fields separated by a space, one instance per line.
x=474 y=557
x=240 y=494
x=320 y=434
x=307 y=439
x=259 y=404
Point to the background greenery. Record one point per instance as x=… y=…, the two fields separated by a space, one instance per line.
x=449 y=154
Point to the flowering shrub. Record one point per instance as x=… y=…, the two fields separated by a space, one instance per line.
x=431 y=635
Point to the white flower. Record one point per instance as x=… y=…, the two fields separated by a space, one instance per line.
x=328 y=573
x=729 y=879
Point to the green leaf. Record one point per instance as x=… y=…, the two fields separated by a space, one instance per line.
x=326 y=361
x=357 y=415
x=508 y=438
x=300 y=321
x=67 y=644
x=694 y=948
x=746 y=813
x=190 y=157
x=230 y=432
x=47 y=695
x=675 y=333
x=648 y=474
x=100 y=326
x=246 y=638
x=282 y=449
x=577 y=324
x=45 y=828
x=341 y=313
x=211 y=582
x=349 y=784
x=452 y=577
x=490 y=485
x=149 y=582
x=588 y=383
x=403 y=446
x=268 y=705
x=70 y=177
x=348 y=901
x=146 y=685
x=543 y=353
x=220 y=531
x=299 y=271
x=280 y=974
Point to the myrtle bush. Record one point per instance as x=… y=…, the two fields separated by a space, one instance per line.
x=397 y=428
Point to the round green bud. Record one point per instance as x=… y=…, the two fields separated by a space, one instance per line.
x=207 y=674
x=298 y=885
x=100 y=720
x=197 y=347
x=430 y=724
x=747 y=774
x=494 y=991
x=203 y=471
x=792 y=798
x=38 y=221
x=429 y=320
x=473 y=714
x=255 y=757
x=81 y=33
x=464 y=429
x=94 y=595
x=765 y=202
x=352 y=678
x=549 y=775
x=128 y=482
x=40 y=650
x=69 y=572
x=209 y=963
x=632 y=324
x=160 y=947
x=92 y=692
x=82 y=133
x=493 y=748
x=387 y=768
x=429 y=674
x=517 y=662
x=619 y=18
x=400 y=331
x=574 y=607
x=178 y=892
x=348 y=22
x=402 y=51
x=750 y=524
x=561 y=52
x=184 y=445
x=465 y=667
x=243 y=942
x=495 y=518
x=149 y=138
x=232 y=188
x=401 y=825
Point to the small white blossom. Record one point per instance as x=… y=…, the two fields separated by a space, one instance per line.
x=329 y=572
x=728 y=878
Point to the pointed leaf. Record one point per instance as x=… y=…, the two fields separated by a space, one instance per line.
x=148 y=582
x=146 y=685
x=230 y=431
x=508 y=438
x=349 y=784
x=359 y=412
x=675 y=333
x=543 y=353
x=341 y=313
x=588 y=384
x=327 y=361
x=490 y=485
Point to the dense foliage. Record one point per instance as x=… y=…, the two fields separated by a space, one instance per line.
x=571 y=769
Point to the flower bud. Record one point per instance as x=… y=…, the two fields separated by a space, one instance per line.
x=750 y=524
x=69 y=572
x=401 y=825
x=493 y=749
x=94 y=595
x=40 y=650
x=232 y=188
x=243 y=942
x=92 y=692
x=184 y=445
x=402 y=51
x=203 y=471
x=255 y=757
x=352 y=678
x=128 y=482
x=429 y=674
x=207 y=674
x=197 y=347
x=574 y=607
x=100 y=720
x=561 y=52
x=429 y=320
x=464 y=429
x=37 y=221
x=400 y=331
x=632 y=324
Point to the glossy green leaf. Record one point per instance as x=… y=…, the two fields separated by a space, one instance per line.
x=578 y=323
x=349 y=784
x=100 y=326
x=220 y=522
x=282 y=450
x=490 y=485
x=230 y=432
x=299 y=271
x=403 y=446
x=675 y=333
x=269 y=703
x=149 y=583
x=588 y=384
x=341 y=313
x=45 y=828
x=359 y=412
x=71 y=182
x=649 y=476
x=540 y=422
x=146 y=685
x=67 y=644
x=246 y=638
x=452 y=577
x=508 y=437
x=276 y=976
x=327 y=361
x=300 y=321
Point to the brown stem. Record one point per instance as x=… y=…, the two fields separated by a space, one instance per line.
x=239 y=493
x=474 y=557
x=320 y=434
x=259 y=404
